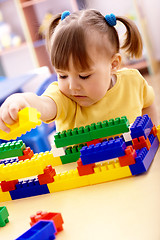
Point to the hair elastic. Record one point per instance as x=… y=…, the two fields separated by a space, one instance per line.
x=65 y=14
x=110 y=19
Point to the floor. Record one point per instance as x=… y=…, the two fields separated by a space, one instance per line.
x=154 y=81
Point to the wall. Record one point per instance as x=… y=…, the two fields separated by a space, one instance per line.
x=149 y=11
x=118 y=7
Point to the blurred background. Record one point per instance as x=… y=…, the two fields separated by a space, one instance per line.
x=24 y=61
x=22 y=27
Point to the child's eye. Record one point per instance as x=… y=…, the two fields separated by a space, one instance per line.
x=84 y=77
x=63 y=76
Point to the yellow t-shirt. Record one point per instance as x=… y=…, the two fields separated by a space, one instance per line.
x=130 y=94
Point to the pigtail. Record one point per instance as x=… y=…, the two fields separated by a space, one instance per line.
x=133 y=41
x=51 y=28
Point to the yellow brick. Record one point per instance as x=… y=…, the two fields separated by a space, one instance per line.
x=103 y=173
x=109 y=172
x=50 y=159
x=28 y=118
x=67 y=180
x=70 y=179
x=29 y=167
x=158 y=132
x=4 y=196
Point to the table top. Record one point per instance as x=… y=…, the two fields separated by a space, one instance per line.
x=125 y=209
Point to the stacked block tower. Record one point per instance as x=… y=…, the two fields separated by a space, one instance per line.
x=100 y=157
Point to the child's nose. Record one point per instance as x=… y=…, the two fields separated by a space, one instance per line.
x=74 y=84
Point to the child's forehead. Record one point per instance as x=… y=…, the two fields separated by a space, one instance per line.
x=97 y=44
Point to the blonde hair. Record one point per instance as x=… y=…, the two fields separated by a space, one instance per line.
x=68 y=38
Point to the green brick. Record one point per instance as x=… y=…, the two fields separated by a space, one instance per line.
x=91 y=132
x=72 y=154
x=3 y=216
x=109 y=128
x=71 y=137
x=12 y=149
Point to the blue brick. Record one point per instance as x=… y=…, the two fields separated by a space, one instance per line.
x=144 y=158
x=7 y=161
x=142 y=126
x=151 y=138
x=42 y=230
x=103 y=151
x=28 y=188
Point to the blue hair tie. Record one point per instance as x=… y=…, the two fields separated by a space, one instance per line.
x=110 y=19
x=65 y=14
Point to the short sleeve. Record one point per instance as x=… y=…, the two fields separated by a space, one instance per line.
x=63 y=103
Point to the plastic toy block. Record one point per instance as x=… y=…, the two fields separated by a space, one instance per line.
x=94 y=142
x=3 y=216
x=144 y=158
x=68 y=180
x=158 y=132
x=55 y=217
x=28 y=188
x=12 y=149
x=47 y=176
x=141 y=142
x=20 y=169
x=102 y=173
x=72 y=154
x=28 y=118
x=9 y=185
x=129 y=158
x=7 y=161
x=71 y=137
x=4 y=196
x=127 y=137
x=46 y=158
x=142 y=126
x=154 y=131
x=91 y=132
x=109 y=128
x=106 y=172
x=29 y=167
x=103 y=151
x=41 y=230
x=85 y=169
x=57 y=151
x=27 y=154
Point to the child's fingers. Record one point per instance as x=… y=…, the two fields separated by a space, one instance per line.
x=2 y=125
x=6 y=117
x=13 y=111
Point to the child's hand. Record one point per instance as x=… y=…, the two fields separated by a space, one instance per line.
x=10 y=108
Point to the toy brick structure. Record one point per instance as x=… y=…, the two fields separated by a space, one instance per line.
x=100 y=158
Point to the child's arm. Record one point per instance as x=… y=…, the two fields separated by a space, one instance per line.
x=152 y=113
x=16 y=102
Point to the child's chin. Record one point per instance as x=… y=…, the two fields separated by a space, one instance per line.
x=85 y=104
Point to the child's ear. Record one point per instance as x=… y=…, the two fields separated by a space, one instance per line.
x=115 y=62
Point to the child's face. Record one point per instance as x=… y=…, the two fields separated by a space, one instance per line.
x=89 y=86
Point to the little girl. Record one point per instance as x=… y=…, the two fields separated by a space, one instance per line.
x=84 y=48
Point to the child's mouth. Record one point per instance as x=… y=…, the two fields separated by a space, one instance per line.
x=79 y=96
